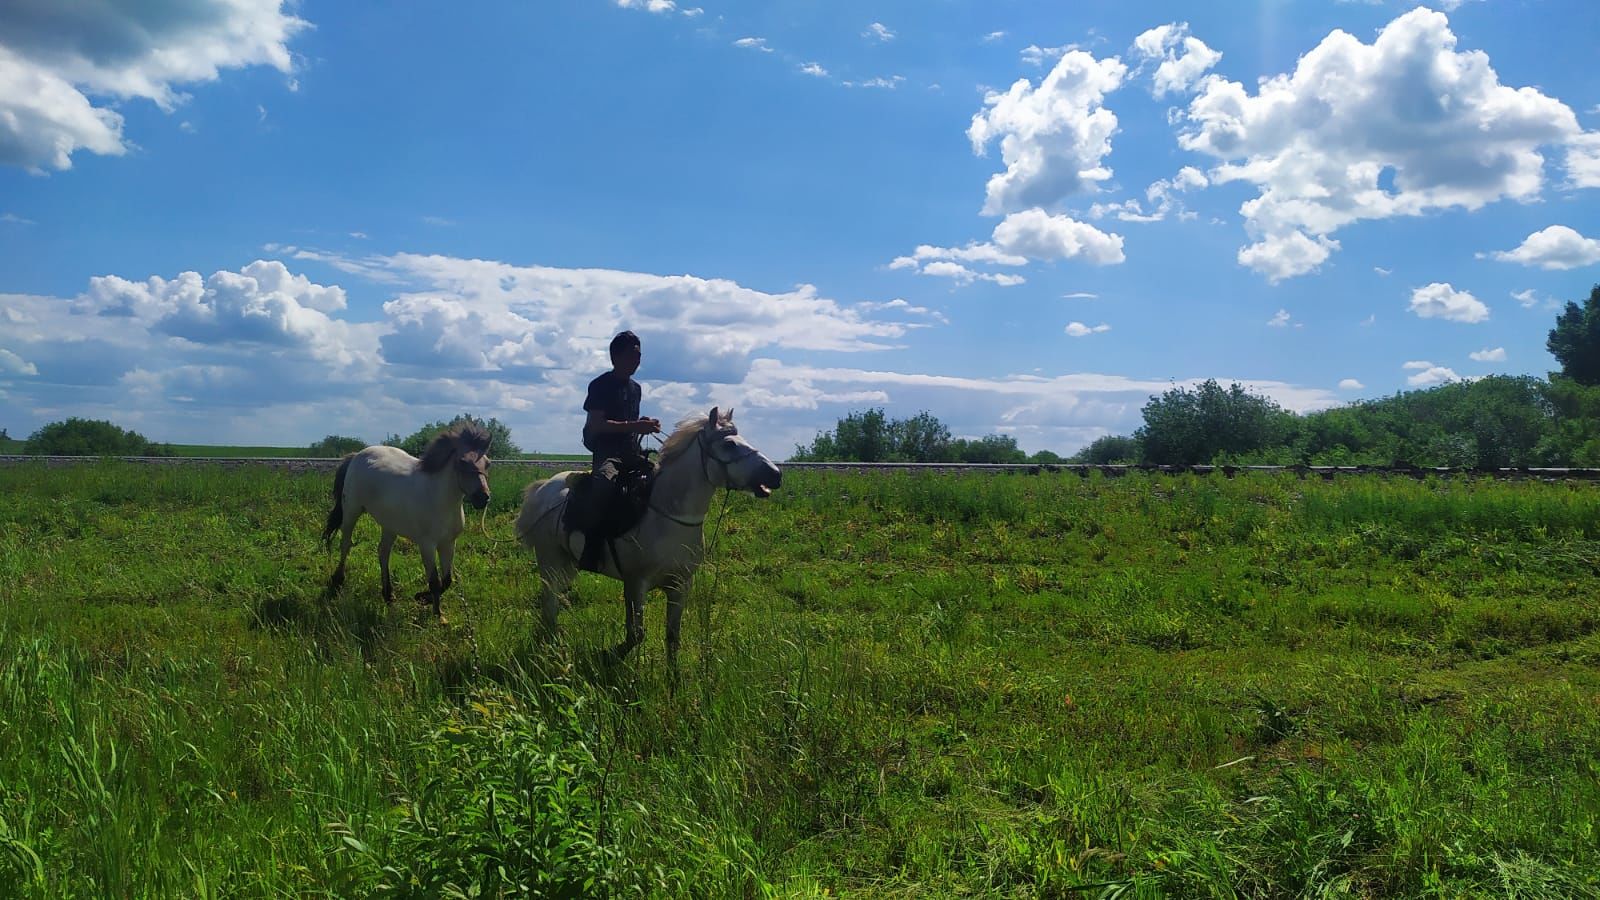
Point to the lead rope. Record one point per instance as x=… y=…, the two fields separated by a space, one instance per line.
x=484 y=527
x=716 y=579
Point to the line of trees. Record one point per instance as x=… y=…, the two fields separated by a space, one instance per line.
x=871 y=436
x=96 y=437
x=1494 y=422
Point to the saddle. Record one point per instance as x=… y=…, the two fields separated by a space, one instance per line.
x=604 y=509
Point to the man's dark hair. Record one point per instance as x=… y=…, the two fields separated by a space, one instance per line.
x=624 y=340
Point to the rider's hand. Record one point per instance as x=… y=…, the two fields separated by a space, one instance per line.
x=648 y=426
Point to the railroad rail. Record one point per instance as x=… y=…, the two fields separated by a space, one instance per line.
x=1080 y=469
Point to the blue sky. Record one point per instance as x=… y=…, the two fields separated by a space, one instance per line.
x=263 y=222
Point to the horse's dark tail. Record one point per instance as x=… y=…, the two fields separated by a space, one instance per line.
x=336 y=516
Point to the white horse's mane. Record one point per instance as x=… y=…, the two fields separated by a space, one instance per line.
x=684 y=433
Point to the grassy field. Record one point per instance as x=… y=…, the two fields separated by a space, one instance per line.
x=903 y=685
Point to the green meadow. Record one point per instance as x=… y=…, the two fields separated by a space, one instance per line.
x=892 y=685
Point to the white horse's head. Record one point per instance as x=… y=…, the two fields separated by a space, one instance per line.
x=465 y=450
x=727 y=458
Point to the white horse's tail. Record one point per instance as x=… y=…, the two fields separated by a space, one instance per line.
x=336 y=516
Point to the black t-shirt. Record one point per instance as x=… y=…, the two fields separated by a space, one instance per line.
x=617 y=399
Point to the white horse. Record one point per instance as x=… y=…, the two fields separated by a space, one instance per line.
x=664 y=548
x=415 y=498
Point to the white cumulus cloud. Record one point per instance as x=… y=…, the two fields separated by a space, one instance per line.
x=1183 y=58
x=1556 y=247
x=1498 y=354
x=655 y=6
x=1441 y=301
x=1035 y=234
x=1429 y=374
x=1053 y=137
x=1028 y=235
x=878 y=31
x=55 y=55
x=1405 y=125
x=1078 y=329
x=12 y=364
x=1350 y=384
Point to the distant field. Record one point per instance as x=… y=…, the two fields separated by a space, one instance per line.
x=896 y=685
x=11 y=445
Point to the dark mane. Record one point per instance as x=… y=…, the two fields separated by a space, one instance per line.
x=461 y=437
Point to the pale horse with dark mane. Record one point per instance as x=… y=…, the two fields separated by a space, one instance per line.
x=664 y=548
x=419 y=499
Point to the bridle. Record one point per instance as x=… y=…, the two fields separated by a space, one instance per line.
x=727 y=464
x=703 y=442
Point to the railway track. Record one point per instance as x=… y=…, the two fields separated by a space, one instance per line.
x=1079 y=469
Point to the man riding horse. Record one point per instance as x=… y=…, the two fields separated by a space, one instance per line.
x=611 y=434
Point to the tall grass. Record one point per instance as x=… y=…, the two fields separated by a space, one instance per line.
x=905 y=685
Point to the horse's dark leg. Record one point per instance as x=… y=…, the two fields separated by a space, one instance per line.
x=431 y=566
x=677 y=592
x=385 y=545
x=633 y=593
x=447 y=564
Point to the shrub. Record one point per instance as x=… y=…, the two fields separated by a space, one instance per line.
x=1107 y=449
x=507 y=805
x=1185 y=427
x=335 y=445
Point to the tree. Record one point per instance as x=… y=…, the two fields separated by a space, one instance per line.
x=863 y=436
x=88 y=437
x=500 y=443
x=1184 y=427
x=1110 y=448
x=1574 y=439
x=921 y=438
x=1575 y=341
x=335 y=445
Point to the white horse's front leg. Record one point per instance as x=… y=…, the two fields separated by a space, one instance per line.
x=555 y=579
x=633 y=594
x=677 y=590
x=385 y=547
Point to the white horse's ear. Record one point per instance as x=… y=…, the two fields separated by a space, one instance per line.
x=713 y=417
